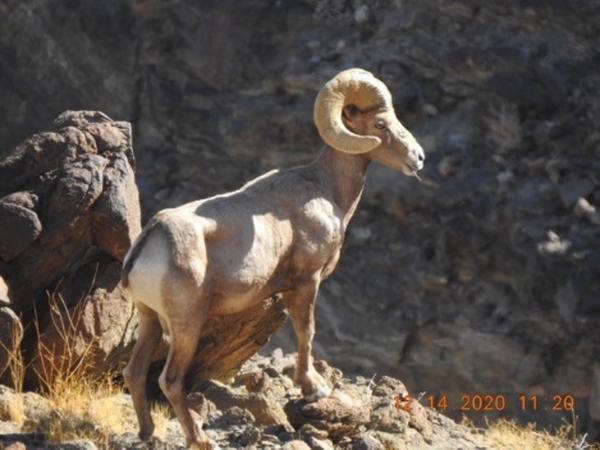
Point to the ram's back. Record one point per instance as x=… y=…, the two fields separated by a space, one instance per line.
x=251 y=243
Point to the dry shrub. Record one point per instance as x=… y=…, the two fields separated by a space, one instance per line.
x=161 y=414
x=15 y=410
x=62 y=365
x=16 y=364
x=85 y=406
x=508 y=435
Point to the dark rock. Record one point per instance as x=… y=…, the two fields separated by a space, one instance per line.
x=366 y=442
x=570 y=191
x=594 y=405
x=64 y=231
x=116 y=214
x=19 y=227
x=337 y=415
x=234 y=416
x=103 y=325
x=11 y=334
x=320 y=444
x=78 y=187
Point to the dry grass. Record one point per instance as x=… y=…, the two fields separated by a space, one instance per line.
x=508 y=435
x=161 y=414
x=16 y=364
x=12 y=408
x=85 y=411
x=15 y=409
x=65 y=362
x=83 y=406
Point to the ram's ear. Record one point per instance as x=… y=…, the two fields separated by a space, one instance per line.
x=350 y=116
x=350 y=112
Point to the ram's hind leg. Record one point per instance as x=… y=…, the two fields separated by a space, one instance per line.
x=136 y=371
x=184 y=339
x=186 y=317
x=301 y=307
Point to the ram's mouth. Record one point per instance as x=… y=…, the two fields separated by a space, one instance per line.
x=411 y=171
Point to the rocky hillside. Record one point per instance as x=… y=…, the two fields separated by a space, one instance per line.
x=483 y=278
x=259 y=410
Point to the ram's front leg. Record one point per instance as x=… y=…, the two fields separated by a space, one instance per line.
x=301 y=307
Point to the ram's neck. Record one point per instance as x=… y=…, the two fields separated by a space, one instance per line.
x=343 y=178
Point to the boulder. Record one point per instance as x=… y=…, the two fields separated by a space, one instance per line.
x=69 y=210
x=265 y=410
x=296 y=445
x=102 y=325
x=19 y=227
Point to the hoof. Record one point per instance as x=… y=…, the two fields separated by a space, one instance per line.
x=146 y=435
x=317 y=394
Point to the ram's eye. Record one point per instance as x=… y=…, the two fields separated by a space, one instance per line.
x=380 y=125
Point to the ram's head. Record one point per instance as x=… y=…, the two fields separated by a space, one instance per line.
x=354 y=113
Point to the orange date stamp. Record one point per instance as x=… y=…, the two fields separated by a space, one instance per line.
x=498 y=402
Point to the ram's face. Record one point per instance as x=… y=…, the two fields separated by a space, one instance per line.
x=398 y=149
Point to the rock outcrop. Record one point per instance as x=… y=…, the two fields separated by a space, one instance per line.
x=69 y=210
x=262 y=409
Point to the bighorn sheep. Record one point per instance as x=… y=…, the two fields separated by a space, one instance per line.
x=280 y=234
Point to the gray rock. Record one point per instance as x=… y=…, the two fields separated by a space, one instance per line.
x=366 y=442
x=11 y=405
x=19 y=227
x=296 y=445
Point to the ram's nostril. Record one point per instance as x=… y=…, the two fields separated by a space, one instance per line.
x=421 y=157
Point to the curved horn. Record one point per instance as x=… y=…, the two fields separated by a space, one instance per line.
x=352 y=86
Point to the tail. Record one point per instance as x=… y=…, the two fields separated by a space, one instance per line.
x=134 y=252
